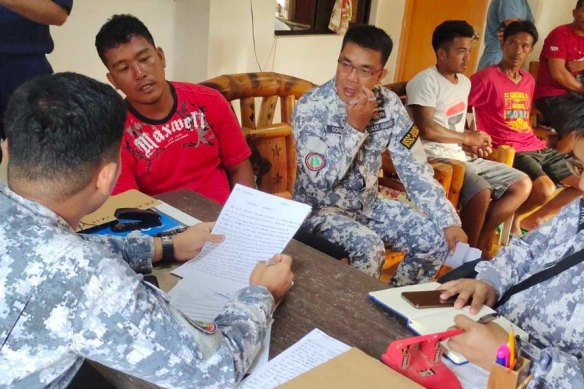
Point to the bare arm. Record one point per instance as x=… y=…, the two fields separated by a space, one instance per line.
x=39 y=11
x=430 y=130
x=242 y=173
x=562 y=75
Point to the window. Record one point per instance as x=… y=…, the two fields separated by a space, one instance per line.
x=295 y=17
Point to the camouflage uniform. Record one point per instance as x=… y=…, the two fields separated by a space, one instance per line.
x=337 y=174
x=65 y=297
x=552 y=312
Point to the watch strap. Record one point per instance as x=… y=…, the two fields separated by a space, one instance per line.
x=167 y=249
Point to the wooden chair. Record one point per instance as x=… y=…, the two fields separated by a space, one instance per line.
x=272 y=144
x=545 y=133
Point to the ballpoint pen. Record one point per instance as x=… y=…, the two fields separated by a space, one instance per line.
x=488 y=318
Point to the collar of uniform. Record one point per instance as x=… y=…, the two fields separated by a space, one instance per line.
x=34 y=207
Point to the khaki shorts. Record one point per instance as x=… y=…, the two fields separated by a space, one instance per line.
x=483 y=174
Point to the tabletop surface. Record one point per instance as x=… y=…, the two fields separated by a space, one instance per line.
x=326 y=294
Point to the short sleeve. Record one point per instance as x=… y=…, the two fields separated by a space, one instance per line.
x=555 y=45
x=421 y=91
x=232 y=145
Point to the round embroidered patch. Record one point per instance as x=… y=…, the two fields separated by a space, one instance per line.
x=315 y=161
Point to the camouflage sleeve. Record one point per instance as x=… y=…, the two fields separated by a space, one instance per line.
x=417 y=175
x=552 y=368
x=519 y=258
x=128 y=325
x=137 y=249
x=323 y=159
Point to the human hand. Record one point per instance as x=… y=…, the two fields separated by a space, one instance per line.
x=479 y=291
x=454 y=234
x=360 y=109
x=275 y=274
x=479 y=342
x=188 y=244
x=476 y=139
x=482 y=152
x=575 y=66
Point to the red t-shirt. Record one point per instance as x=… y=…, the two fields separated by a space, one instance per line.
x=188 y=149
x=562 y=43
x=502 y=108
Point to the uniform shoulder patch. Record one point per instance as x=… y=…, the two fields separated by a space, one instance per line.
x=315 y=161
x=410 y=137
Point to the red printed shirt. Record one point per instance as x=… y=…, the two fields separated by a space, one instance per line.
x=502 y=108
x=562 y=43
x=189 y=149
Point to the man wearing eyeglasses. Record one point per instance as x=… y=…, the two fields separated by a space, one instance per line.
x=341 y=129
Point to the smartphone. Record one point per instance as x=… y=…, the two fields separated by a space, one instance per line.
x=428 y=299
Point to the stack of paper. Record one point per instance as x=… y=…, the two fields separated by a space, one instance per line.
x=309 y=352
x=256 y=226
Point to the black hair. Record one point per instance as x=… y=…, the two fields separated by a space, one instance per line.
x=120 y=29
x=369 y=37
x=521 y=26
x=579 y=4
x=447 y=31
x=60 y=129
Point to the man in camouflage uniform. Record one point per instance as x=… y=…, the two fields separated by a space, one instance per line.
x=65 y=297
x=341 y=129
x=552 y=311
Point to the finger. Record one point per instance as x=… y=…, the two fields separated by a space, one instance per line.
x=215 y=238
x=462 y=298
x=464 y=322
x=286 y=259
x=462 y=238
x=210 y=225
x=478 y=299
x=449 y=289
x=451 y=241
x=491 y=299
x=277 y=258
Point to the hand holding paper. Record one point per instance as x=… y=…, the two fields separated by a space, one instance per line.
x=276 y=275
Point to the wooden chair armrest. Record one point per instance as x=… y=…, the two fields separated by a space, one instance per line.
x=504 y=154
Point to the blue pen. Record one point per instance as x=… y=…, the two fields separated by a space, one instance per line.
x=502 y=355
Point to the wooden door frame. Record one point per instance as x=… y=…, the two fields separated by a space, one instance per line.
x=403 y=41
x=405 y=37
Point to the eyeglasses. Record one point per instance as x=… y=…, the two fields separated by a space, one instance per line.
x=362 y=72
x=575 y=166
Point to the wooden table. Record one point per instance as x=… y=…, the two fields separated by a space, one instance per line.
x=326 y=294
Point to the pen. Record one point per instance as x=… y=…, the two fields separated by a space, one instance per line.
x=511 y=349
x=489 y=317
x=356 y=101
x=502 y=355
x=517 y=348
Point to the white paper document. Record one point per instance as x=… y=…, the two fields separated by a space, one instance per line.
x=197 y=301
x=462 y=254
x=470 y=376
x=256 y=226
x=309 y=352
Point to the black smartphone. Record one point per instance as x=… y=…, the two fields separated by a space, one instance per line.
x=428 y=299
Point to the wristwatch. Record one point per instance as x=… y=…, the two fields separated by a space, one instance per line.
x=167 y=249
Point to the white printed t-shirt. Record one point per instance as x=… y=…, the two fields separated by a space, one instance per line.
x=429 y=88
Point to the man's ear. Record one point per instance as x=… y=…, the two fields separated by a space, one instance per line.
x=111 y=79
x=160 y=53
x=4 y=147
x=106 y=178
x=383 y=75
